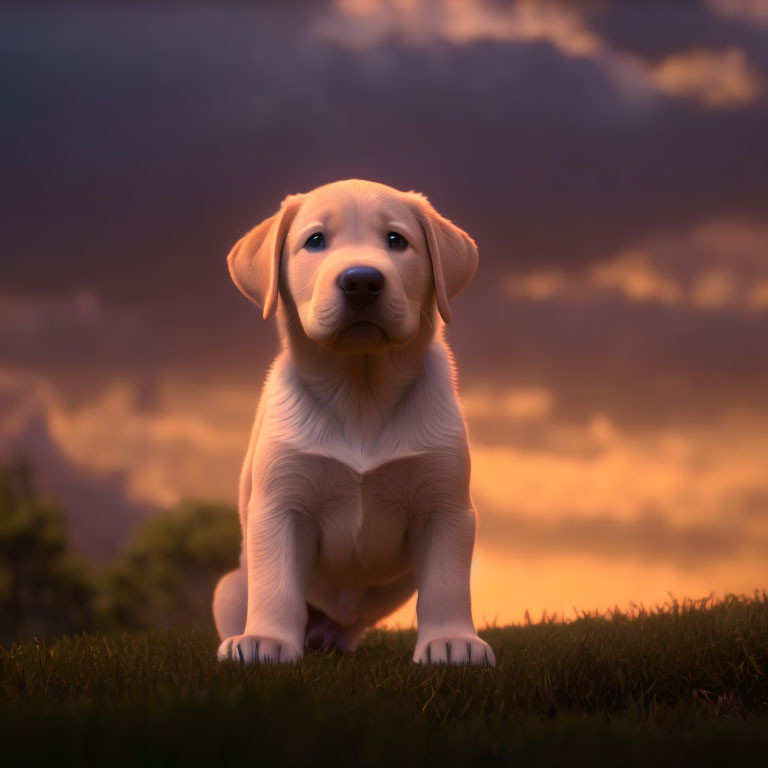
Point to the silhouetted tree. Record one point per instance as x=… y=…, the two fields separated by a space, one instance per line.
x=45 y=591
x=167 y=573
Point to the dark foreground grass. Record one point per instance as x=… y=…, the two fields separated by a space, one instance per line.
x=685 y=684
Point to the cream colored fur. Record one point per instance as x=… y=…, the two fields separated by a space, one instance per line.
x=354 y=492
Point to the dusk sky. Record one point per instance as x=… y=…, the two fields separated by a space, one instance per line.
x=610 y=160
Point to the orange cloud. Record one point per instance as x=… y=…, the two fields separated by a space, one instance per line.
x=753 y=11
x=368 y=22
x=540 y=284
x=714 y=78
x=701 y=473
x=611 y=516
x=523 y=404
x=633 y=275
x=716 y=266
x=190 y=444
x=713 y=289
x=758 y=296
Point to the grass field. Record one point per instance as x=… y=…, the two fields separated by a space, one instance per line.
x=683 y=684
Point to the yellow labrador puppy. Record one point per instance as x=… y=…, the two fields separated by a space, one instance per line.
x=354 y=492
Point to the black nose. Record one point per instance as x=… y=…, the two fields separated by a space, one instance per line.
x=362 y=285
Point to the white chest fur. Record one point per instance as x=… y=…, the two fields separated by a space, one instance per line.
x=358 y=482
x=359 y=433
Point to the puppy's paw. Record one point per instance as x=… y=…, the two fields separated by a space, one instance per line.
x=257 y=649
x=467 y=649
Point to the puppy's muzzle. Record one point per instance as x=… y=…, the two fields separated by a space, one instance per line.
x=361 y=285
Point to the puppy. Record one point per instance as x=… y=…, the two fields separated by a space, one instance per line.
x=354 y=492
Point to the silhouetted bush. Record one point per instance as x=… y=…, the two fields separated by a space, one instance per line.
x=164 y=578
x=168 y=571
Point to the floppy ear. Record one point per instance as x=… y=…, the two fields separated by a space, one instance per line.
x=452 y=251
x=254 y=261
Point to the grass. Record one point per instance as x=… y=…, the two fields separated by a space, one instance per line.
x=682 y=684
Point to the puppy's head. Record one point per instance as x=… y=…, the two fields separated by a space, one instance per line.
x=359 y=261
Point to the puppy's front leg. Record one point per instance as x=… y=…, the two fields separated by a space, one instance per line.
x=280 y=551
x=441 y=550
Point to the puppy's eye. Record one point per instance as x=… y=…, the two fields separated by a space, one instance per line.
x=315 y=242
x=396 y=241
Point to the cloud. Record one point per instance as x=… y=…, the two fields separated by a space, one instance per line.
x=27 y=316
x=97 y=507
x=363 y=23
x=758 y=296
x=552 y=141
x=592 y=515
x=520 y=404
x=705 y=479
x=190 y=442
x=752 y=11
x=633 y=275
x=115 y=457
x=649 y=537
x=714 y=78
x=51 y=330
x=713 y=267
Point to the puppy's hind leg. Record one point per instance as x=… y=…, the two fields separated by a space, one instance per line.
x=376 y=603
x=230 y=603
x=325 y=633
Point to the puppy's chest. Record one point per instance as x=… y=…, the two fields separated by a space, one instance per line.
x=362 y=518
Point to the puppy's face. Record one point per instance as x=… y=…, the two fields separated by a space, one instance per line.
x=358 y=262
x=357 y=268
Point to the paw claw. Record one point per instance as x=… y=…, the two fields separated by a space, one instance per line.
x=251 y=649
x=456 y=651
